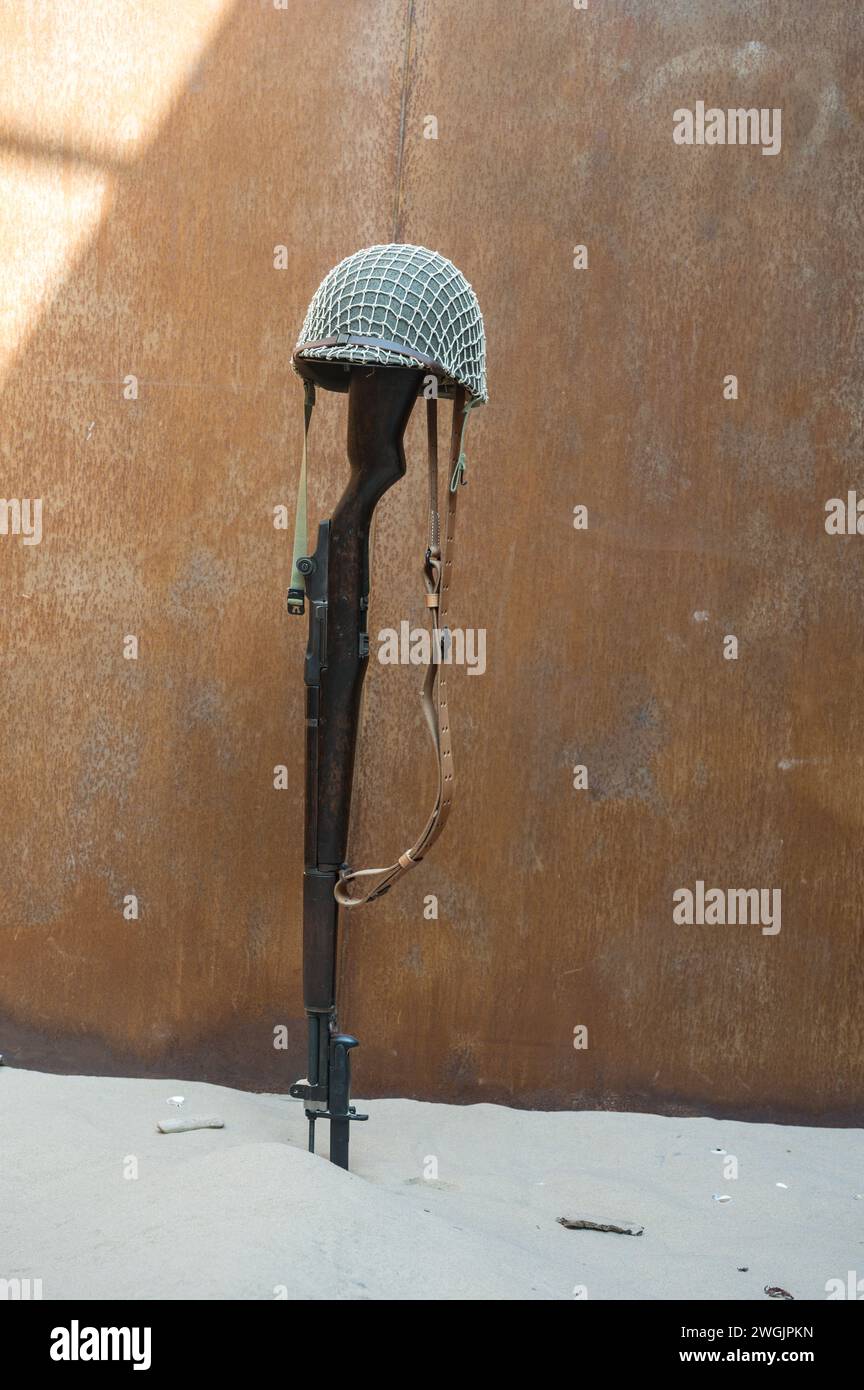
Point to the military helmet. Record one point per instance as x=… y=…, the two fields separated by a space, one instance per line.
x=394 y=306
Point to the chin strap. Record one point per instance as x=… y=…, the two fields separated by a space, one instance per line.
x=297 y=589
x=438 y=579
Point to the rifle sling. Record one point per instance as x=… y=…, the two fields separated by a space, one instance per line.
x=438 y=579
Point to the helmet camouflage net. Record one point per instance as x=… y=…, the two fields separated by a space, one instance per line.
x=416 y=306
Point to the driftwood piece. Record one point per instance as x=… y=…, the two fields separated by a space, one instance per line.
x=627 y=1228
x=192 y=1122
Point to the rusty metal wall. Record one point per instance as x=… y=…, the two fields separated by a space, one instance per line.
x=307 y=127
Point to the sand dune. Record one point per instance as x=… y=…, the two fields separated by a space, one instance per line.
x=445 y=1202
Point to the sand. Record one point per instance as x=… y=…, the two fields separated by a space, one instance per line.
x=246 y=1212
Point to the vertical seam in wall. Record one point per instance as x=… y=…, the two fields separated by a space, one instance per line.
x=343 y=974
x=397 y=209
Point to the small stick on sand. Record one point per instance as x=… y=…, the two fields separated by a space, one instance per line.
x=629 y=1229
x=178 y=1126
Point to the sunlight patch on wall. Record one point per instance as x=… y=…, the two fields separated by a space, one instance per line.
x=93 y=79
x=46 y=216
x=84 y=90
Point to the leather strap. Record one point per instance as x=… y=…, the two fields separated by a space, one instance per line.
x=438 y=579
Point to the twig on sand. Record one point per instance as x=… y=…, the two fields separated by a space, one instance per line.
x=178 y=1126
x=630 y=1228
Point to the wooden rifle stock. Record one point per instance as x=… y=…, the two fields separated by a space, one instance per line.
x=380 y=400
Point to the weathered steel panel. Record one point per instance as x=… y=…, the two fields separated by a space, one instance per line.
x=309 y=128
x=155 y=776
x=605 y=646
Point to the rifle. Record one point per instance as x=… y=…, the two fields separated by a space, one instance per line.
x=380 y=401
x=378 y=318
